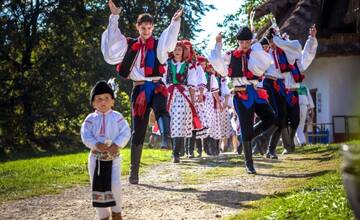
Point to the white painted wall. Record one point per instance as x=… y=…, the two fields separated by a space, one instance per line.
x=338 y=82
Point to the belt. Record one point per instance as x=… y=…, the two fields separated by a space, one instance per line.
x=139 y=83
x=239 y=88
x=271 y=77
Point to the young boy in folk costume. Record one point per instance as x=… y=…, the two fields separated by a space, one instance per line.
x=181 y=81
x=245 y=66
x=291 y=61
x=142 y=60
x=105 y=131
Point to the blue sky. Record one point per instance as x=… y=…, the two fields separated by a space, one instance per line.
x=208 y=23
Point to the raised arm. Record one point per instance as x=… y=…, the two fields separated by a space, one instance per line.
x=219 y=61
x=309 y=51
x=113 y=42
x=168 y=38
x=292 y=48
x=259 y=60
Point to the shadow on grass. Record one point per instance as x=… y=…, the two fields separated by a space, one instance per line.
x=320 y=159
x=228 y=161
x=227 y=198
x=296 y=175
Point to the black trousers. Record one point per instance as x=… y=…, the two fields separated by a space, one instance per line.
x=293 y=112
x=277 y=102
x=246 y=117
x=158 y=103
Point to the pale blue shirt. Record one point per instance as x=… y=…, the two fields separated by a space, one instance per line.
x=98 y=127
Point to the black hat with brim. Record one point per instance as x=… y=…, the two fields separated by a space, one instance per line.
x=244 y=33
x=101 y=87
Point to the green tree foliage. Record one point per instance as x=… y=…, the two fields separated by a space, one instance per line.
x=50 y=57
x=232 y=22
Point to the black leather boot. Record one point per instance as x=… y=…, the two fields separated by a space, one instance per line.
x=285 y=136
x=164 y=126
x=188 y=148
x=240 y=146
x=177 y=142
x=199 y=145
x=261 y=141
x=249 y=163
x=271 y=152
x=192 y=145
x=292 y=137
x=135 y=156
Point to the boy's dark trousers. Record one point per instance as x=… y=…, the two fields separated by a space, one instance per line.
x=293 y=120
x=158 y=103
x=246 y=118
x=278 y=103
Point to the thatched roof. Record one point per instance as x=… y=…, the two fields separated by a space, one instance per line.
x=338 y=22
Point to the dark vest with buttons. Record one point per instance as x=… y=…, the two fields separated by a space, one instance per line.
x=124 y=68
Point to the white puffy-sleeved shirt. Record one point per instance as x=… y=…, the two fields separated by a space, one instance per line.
x=200 y=77
x=99 y=127
x=294 y=53
x=224 y=88
x=259 y=62
x=114 y=46
x=214 y=85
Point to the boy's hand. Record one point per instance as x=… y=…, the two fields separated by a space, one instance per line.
x=178 y=14
x=114 y=10
x=113 y=149
x=219 y=38
x=101 y=147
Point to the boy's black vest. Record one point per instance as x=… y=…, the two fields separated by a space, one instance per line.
x=124 y=68
x=236 y=68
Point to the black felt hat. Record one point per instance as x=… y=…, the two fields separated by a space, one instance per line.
x=244 y=33
x=264 y=41
x=270 y=33
x=100 y=87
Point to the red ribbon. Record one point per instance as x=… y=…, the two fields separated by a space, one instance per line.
x=262 y=93
x=148 y=45
x=242 y=95
x=140 y=104
x=276 y=86
x=196 y=120
x=161 y=89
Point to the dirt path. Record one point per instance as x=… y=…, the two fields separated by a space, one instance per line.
x=206 y=188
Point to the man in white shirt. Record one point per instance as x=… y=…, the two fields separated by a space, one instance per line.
x=245 y=66
x=142 y=60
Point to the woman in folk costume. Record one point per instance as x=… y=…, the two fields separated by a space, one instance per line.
x=245 y=66
x=201 y=110
x=142 y=60
x=292 y=60
x=181 y=81
x=213 y=104
x=226 y=105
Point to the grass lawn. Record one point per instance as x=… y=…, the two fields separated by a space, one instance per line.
x=319 y=197
x=31 y=177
